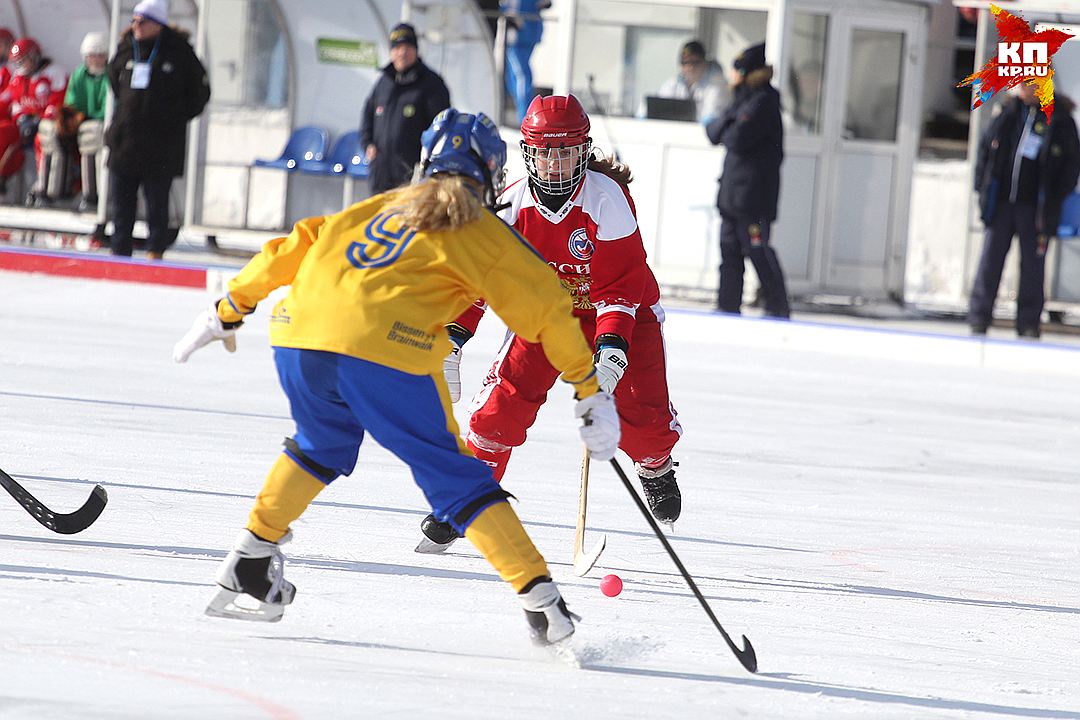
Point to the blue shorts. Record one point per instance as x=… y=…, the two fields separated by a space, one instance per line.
x=336 y=399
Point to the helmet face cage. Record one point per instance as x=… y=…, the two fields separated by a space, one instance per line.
x=24 y=56
x=557 y=169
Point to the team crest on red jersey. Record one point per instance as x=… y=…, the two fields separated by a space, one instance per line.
x=580 y=245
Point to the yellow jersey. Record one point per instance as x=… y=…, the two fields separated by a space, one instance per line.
x=365 y=285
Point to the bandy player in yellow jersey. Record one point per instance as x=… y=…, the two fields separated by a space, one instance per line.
x=359 y=343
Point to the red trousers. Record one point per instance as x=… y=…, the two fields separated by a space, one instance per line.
x=519 y=380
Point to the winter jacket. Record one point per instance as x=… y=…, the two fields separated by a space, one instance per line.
x=148 y=132
x=751 y=131
x=399 y=109
x=1058 y=161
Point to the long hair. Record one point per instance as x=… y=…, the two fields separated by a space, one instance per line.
x=617 y=171
x=441 y=202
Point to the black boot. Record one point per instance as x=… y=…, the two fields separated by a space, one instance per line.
x=438 y=535
x=661 y=491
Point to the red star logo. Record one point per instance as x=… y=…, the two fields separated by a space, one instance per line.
x=996 y=76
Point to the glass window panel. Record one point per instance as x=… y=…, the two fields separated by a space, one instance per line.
x=628 y=51
x=873 y=88
x=806 y=74
x=247 y=55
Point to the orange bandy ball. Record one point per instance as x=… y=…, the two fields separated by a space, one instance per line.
x=611 y=585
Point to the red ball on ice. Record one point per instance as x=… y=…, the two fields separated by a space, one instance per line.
x=611 y=585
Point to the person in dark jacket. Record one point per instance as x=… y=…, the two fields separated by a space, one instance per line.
x=406 y=98
x=751 y=131
x=159 y=85
x=1025 y=168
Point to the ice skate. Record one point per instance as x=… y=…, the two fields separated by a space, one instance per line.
x=661 y=492
x=438 y=536
x=550 y=622
x=254 y=568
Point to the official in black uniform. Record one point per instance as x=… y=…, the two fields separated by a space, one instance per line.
x=753 y=134
x=404 y=101
x=1025 y=168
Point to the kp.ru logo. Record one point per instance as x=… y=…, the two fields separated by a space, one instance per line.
x=1022 y=56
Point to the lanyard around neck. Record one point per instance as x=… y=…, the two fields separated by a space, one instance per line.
x=153 y=51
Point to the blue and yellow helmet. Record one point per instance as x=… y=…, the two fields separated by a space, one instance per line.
x=465 y=144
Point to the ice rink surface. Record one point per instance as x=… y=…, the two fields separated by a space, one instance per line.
x=899 y=537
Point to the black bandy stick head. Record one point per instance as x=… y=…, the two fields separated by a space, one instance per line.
x=747 y=656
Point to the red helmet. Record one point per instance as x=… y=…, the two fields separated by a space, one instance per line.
x=556 y=143
x=25 y=56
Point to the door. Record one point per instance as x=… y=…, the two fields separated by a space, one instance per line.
x=872 y=129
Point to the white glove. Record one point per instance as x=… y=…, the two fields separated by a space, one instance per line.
x=206 y=329
x=600 y=430
x=451 y=368
x=610 y=366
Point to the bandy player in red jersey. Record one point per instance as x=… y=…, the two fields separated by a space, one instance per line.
x=575 y=209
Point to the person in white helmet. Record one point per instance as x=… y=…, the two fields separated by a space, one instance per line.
x=77 y=132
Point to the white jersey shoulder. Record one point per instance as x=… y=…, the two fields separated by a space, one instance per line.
x=603 y=200
x=514 y=198
x=56 y=76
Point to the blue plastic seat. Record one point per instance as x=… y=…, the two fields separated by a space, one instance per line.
x=346 y=157
x=1069 y=226
x=306 y=145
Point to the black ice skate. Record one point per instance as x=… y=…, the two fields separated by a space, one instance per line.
x=255 y=568
x=545 y=610
x=438 y=536
x=661 y=491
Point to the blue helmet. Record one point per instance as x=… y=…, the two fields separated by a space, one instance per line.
x=467 y=145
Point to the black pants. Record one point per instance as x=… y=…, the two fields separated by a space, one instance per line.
x=1010 y=220
x=125 y=200
x=741 y=238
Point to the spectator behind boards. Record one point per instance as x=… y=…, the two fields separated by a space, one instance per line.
x=406 y=98
x=78 y=129
x=699 y=80
x=752 y=133
x=159 y=85
x=1025 y=167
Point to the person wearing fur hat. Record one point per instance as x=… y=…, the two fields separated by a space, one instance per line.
x=159 y=85
x=751 y=131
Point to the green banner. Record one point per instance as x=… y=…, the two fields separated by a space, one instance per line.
x=347 y=52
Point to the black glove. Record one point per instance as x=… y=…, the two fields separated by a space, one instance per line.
x=28 y=125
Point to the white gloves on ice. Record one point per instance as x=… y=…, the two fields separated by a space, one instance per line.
x=600 y=428
x=206 y=329
x=610 y=366
x=451 y=368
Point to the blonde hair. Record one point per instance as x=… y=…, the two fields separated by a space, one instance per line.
x=441 y=202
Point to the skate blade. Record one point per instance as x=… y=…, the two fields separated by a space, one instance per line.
x=428 y=547
x=584 y=561
x=224 y=605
